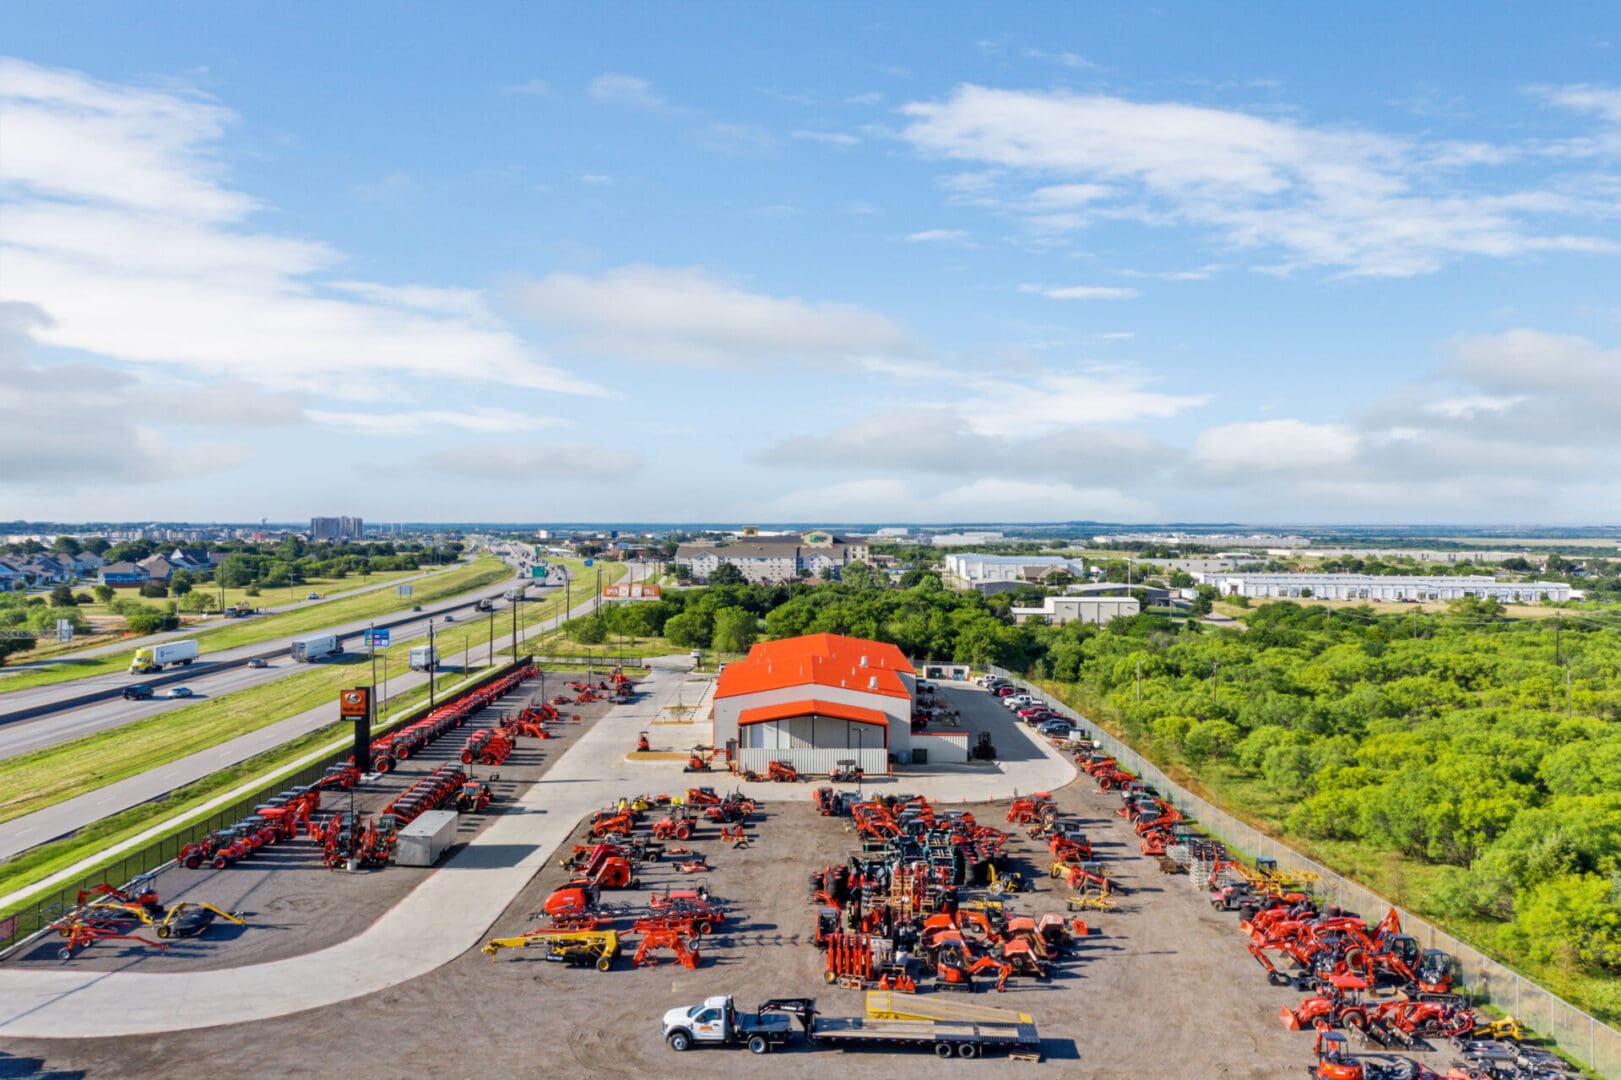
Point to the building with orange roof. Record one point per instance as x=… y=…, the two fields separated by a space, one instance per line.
x=816 y=700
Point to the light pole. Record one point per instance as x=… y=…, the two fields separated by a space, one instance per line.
x=516 y=600
x=492 y=635
x=433 y=662
x=385 y=687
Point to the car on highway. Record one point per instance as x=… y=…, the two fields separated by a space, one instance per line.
x=258 y=662
x=313 y=596
x=180 y=691
x=416 y=607
x=138 y=692
x=449 y=617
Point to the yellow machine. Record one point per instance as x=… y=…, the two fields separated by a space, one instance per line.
x=1006 y=883
x=1090 y=900
x=888 y=1005
x=1507 y=1027
x=576 y=948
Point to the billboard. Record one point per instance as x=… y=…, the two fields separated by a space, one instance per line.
x=630 y=591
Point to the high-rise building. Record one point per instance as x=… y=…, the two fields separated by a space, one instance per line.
x=351 y=528
x=324 y=528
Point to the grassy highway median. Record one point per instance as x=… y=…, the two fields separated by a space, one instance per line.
x=32 y=782
x=230 y=634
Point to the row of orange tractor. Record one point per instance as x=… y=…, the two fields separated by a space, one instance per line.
x=1375 y=984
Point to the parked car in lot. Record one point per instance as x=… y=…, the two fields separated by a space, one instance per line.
x=1003 y=691
x=180 y=691
x=138 y=692
x=1056 y=729
x=258 y=662
x=1035 y=714
x=1018 y=701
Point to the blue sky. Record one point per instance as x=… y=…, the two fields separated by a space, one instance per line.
x=792 y=262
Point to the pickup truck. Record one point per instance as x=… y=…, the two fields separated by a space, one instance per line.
x=717 y=1022
x=138 y=692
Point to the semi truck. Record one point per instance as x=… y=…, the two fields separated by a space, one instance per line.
x=310 y=649
x=152 y=658
x=485 y=604
x=424 y=658
x=716 y=1022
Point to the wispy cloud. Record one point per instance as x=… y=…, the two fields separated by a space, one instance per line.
x=835 y=138
x=1081 y=292
x=490 y=420
x=687 y=316
x=528 y=88
x=617 y=89
x=937 y=236
x=1357 y=201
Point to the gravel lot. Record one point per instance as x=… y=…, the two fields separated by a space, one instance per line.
x=1163 y=987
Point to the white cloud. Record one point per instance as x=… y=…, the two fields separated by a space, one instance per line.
x=1358 y=201
x=528 y=88
x=1604 y=100
x=835 y=138
x=1466 y=407
x=936 y=236
x=871 y=97
x=888 y=499
x=686 y=316
x=392 y=189
x=1081 y=292
x=625 y=90
x=120 y=226
x=542 y=463
x=489 y=420
x=1274 y=446
x=1052 y=401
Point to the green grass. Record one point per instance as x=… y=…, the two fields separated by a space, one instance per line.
x=34 y=781
x=229 y=634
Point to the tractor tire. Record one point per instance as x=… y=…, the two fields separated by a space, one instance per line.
x=163 y=931
x=683 y=833
x=942 y=1050
x=967 y=1050
x=604 y=963
x=219 y=862
x=193 y=862
x=758 y=1045
x=829 y=978
x=679 y=1041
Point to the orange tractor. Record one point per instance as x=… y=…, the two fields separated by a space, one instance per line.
x=782 y=772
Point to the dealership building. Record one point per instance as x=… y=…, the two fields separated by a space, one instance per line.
x=816 y=700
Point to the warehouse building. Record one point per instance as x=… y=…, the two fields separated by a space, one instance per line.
x=972 y=570
x=1381 y=587
x=816 y=700
x=1061 y=610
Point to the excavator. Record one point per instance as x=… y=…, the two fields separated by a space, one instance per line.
x=955 y=969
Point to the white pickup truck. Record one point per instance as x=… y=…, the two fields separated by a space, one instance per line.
x=717 y=1022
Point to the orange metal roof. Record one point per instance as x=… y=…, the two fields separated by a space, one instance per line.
x=854 y=713
x=820 y=660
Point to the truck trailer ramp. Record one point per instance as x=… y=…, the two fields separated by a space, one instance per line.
x=947 y=1038
x=888 y=1005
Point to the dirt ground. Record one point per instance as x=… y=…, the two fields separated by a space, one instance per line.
x=292 y=903
x=1162 y=987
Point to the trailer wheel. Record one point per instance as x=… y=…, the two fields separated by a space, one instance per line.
x=679 y=1041
x=705 y=926
x=758 y=1045
x=829 y=978
x=942 y=1050
x=604 y=963
x=163 y=931
x=967 y=1050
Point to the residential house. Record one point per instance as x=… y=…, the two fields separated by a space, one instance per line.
x=158 y=567
x=124 y=575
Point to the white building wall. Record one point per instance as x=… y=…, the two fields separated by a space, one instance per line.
x=816 y=763
x=943 y=748
x=897 y=710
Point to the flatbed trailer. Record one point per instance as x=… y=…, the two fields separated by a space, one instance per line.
x=947 y=1038
x=889 y=1005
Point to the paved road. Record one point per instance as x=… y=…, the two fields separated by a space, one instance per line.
x=449 y=913
x=25 y=832
x=214 y=675
x=129 y=645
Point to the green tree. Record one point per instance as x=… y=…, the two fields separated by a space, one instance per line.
x=587 y=630
x=726 y=574
x=104 y=593
x=62 y=596
x=181 y=582
x=66 y=545
x=687 y=630
x=734 y=630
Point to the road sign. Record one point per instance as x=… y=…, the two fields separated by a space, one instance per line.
x=537 y=572
x=64 y=630
x=376 y=639
x=406 y=590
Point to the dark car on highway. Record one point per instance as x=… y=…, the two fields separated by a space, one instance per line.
x=138 y=692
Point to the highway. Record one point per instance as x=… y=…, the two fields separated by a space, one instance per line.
x=25 y=832
x=215 y=675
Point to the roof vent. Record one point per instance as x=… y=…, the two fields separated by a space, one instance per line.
x=863 y=660
x=872 y=683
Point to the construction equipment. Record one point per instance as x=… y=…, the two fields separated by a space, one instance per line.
x=642 y=745
x=474 y=798
x=677 y=824
x=1006 y=884
x=781 y=772
x=686 y=951
x=849 y=956
x=618 y=824
x=106 y=913
x=845 y=771
x=575 y=948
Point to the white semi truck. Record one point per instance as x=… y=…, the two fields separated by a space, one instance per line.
x=310 y=649
x=152 y=658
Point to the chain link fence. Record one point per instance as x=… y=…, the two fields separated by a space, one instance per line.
x=1574 y=1031
x=160 y=855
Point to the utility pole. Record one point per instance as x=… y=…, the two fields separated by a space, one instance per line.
x=492 y=635
x=433 y=672
x=1558 y=621
x=371 y=647
x=1214 y=668
x=1567 y=693
x=1139 y=682
x=384 y=698
x=516 y=600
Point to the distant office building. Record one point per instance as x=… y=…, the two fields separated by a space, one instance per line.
x=336 y=528
x=892 y=531
x=964 y=539
x=769 y=560
x=1059 y=610
x=1380 y=587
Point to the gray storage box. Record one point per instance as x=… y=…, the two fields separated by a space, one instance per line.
x=425 y=839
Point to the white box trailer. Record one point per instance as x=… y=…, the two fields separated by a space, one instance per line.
x=424 y=658
x=308 y=650
x=425 y=839
x=152 y=658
